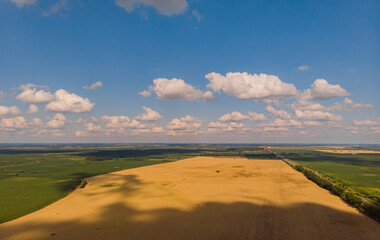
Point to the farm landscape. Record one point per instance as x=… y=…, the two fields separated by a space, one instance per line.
x=189 y=120
x=173 y=189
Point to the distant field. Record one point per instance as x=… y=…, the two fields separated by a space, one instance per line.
x=348 y=151
x=361 y=171
x=33 y=177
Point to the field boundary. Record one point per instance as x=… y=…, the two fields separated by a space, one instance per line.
x=368 y=206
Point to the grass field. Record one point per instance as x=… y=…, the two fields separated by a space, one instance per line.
x=33 y=177
x=360 y=171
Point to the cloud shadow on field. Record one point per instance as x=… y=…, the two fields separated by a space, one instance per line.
x=210 y=220
x=206 y=220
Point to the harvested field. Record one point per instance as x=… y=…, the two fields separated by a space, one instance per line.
x=348 y=151
x=197 y=198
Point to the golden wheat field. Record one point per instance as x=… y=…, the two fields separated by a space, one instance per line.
x=197 y=198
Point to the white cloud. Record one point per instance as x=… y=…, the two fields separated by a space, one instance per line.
x=282 y=123
x=197 y=15
x=248 y=86
x=145 y=93
x=56 y=8
x=233 y=117
x=217 y=127
x=303 y=133
x=58 y=121
x=122 y=122
x=69 y=102
x=317 y=115
x=149 y=115
x=184 y=125
x=12 y=110
x=257 y=117
x=312 y=123
x=366 y=122
x=276 y=129
x=94 y=85
x=303 y=68
x=10 y=124
x=332 y=124
x=273 y=101
x=91 y=127
x=22 y=3
x=116 y=121
x=32 y=109
x=306 y=105
x=375 y=130
x=175 y=89
x=349 y=105
x=208 y=96
x=278 y=113
x=36 y=122
x=321 y=90
x=30 y=94
x=165 y=7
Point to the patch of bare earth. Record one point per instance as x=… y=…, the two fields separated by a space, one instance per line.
x=198 y=198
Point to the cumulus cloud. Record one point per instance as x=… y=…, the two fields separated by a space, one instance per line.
x=58 y=121
x=317 y=115
x=145 y=93
x=366 y=122
x=36 y=122
x=122 y=122
x=217 y=127
x=175 y=89
x=69 y=102
x=22 y=3
x=116 y=121
x=11 y=124
x=208 y=96
x=322 y=90
x=233 y=117
x=303 y=68
x=149 y=115
x=257 y=117
x=248 y=86
x=184 y=125
x=32 y=109
x=282 y=123
x=278 y=113
x=165 y=7
x=312 y=123
x=12 y=110
x=349 y=105
x=93 y=86
x=276 y=129
x=91 y=127
x=30 y=94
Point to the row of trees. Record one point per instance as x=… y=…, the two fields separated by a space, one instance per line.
x=369 y=206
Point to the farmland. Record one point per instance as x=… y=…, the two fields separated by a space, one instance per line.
x=197 y=198
x=360 y=171
x=33 y=177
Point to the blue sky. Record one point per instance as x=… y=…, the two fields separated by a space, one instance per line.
x=126 y=44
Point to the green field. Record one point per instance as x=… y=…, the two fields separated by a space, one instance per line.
x=33 y=177
x=360 y=171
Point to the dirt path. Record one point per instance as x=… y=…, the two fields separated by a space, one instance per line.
x=198 y=198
